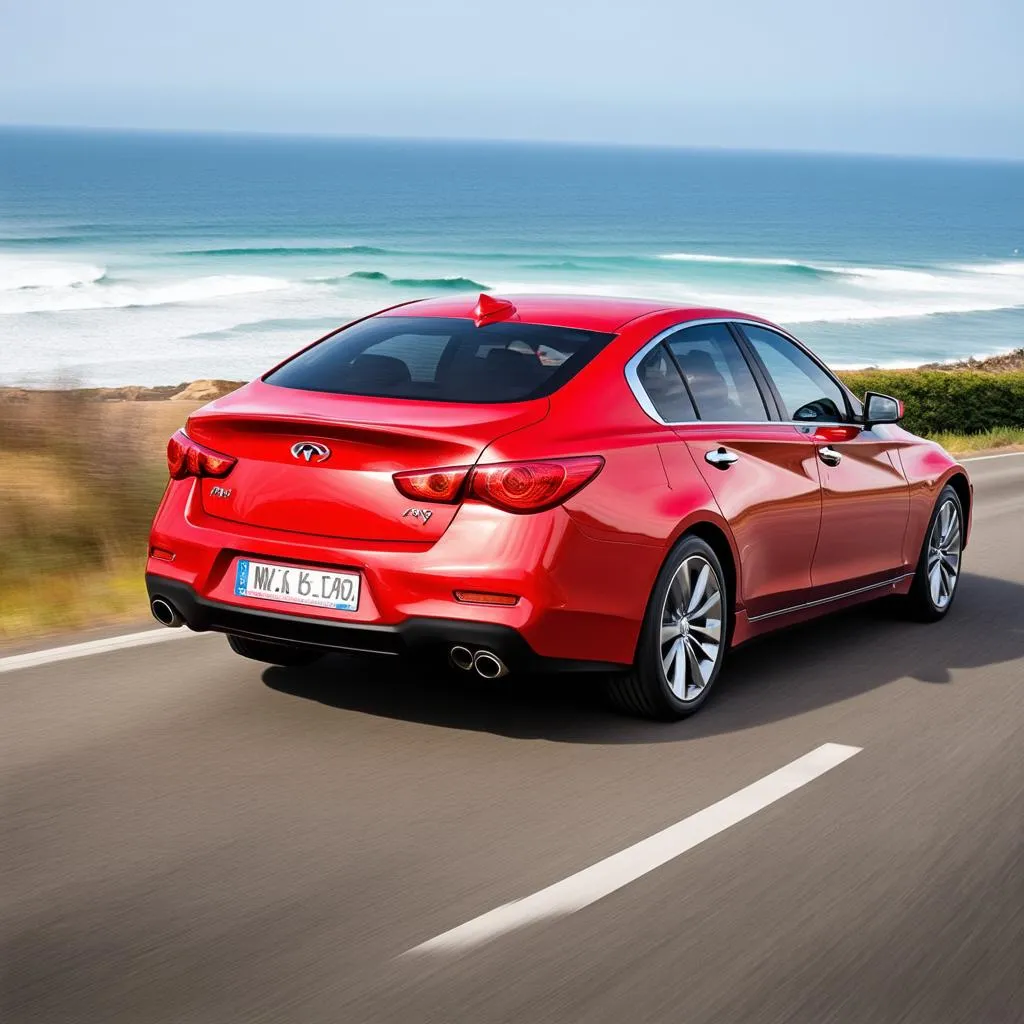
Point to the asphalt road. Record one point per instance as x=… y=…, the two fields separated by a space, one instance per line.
x=189 y=838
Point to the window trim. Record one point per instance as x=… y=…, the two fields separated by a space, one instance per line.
x=734 y=323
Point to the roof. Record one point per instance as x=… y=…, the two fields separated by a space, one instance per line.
x=586 y=312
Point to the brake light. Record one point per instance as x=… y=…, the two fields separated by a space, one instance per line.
x=432 y=485
x=186 y=457
x=511 y=486
x=532 y=486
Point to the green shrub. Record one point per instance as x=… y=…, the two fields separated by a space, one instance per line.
x=960 y=401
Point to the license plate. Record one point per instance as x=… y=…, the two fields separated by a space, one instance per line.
x=319 y=587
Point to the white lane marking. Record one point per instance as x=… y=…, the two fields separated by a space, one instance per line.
x=982 y=458
x=14 y=662
x=606 y=876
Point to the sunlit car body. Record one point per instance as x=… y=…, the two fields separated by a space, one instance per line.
x=540 y=484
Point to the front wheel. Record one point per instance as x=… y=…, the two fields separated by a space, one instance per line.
x=938 y=568
x=286 y=655
x=682 y=639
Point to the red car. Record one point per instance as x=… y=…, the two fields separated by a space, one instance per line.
x=550 y=483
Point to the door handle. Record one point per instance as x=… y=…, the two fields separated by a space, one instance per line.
x=829 y=456
x=720 y=458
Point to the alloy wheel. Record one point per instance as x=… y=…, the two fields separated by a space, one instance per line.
x=944 y=543
x=691 y=628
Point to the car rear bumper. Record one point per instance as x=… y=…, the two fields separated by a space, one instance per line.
x=578 y=599
x=419 y=635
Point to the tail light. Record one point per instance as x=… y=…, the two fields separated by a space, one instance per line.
x=512 y=486
x=532 y=486
x=186 y=457
x=434 y=485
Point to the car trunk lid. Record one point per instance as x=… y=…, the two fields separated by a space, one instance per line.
x=323 y=464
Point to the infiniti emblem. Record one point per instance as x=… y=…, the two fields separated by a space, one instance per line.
x=311 y=451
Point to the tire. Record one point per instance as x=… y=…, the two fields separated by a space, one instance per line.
x=937 y=577
x=273 y=653
x=652 y=688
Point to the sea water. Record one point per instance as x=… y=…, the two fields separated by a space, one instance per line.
x=153 y=258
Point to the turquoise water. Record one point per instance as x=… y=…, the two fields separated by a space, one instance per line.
x=144 y=258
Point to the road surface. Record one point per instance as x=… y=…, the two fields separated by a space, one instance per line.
x=190 y=838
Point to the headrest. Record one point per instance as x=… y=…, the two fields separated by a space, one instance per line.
x=699 y=364
x=521 y=365
x=376 y=371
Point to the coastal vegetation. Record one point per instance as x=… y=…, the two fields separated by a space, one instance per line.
x=951 y=401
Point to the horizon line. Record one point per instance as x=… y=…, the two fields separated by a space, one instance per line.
x=327 y=136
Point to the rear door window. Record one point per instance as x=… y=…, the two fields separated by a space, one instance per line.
x=442 y=359
x=717 y=374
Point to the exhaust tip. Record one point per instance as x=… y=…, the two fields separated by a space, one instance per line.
x=164 y=612
x=489 y=665
x=461 y=657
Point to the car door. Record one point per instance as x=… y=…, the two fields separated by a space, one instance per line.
x=761 y=472
x=865 y=496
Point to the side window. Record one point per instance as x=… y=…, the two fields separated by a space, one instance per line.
x=660 y=378
x=720 y=380
x=807 y=391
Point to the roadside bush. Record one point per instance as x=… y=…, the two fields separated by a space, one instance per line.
x=937 y=401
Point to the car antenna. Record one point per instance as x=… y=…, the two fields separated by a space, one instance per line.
x=488 y=310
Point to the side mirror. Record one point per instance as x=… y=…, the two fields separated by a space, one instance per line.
x=881 y=409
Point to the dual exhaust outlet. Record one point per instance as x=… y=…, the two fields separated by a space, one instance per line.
x=485 y=663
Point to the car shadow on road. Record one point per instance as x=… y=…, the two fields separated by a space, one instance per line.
x=777 y=677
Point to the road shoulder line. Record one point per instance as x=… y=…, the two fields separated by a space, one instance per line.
x=14 y=662
x=983 y=458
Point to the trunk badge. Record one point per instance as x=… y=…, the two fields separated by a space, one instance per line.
x=311 y=451
x=422 y=514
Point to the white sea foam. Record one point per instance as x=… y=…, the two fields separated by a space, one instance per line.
x=17 y=273
x=99 y=295
x=753 y=261
x=1009 y=268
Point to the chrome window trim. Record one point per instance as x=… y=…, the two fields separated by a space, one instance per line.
x=644 y=400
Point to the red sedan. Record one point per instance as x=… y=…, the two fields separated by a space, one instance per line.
x=550 y=483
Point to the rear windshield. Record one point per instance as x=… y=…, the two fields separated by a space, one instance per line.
x=442 y=359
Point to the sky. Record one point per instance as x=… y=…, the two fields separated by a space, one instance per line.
x=916 y=77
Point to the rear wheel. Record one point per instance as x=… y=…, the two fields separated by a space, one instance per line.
x=272 y=653
x=938 y=568
x=682 y=639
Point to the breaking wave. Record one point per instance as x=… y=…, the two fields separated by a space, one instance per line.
x=97 y=293
x=421 y=283
x=290 y=250
x=18 y=275
x=750 y=261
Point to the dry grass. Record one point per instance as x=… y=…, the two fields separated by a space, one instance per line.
x=990 y=440
x=79 y=483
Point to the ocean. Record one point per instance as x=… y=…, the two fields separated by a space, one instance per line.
x=145 y=258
